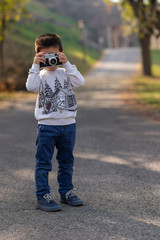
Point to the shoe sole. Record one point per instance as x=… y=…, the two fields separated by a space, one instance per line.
x=74 y=204
x=48 y=209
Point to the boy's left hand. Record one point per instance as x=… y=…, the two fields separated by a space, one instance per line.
x=62 y=57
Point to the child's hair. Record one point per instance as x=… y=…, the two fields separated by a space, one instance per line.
x=48 y=40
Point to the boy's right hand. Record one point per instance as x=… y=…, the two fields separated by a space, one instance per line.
x=39 y=58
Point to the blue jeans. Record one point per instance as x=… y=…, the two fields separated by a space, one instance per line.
x=49 y=137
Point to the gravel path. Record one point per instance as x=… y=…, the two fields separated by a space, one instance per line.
x=117 y=167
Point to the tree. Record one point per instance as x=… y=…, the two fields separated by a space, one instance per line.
x=144 y=18
x=10 y=11
x=57 y=84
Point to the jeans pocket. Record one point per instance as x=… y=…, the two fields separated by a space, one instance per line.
x=39 y=128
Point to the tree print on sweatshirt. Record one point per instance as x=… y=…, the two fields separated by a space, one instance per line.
x=61 y=99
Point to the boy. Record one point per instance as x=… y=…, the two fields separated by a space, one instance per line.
x=56 y=112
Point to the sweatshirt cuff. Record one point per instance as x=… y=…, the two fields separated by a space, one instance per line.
x=35 y=66
x=67 y=65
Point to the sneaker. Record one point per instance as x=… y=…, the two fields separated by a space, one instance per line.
x=71 y=199
x=46 y=203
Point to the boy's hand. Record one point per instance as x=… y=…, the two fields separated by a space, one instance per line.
x=62 y=57
x=39 y=58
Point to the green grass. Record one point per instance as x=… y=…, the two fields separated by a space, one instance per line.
x=39 y=10
x=148 y=88
x=19 y=44
x=23 y=36
x=155 y=55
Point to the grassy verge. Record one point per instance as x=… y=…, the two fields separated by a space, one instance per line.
x=19 y=45
x=24 y=37
x=148 y=88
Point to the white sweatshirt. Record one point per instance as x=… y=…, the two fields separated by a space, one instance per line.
x=56 y=103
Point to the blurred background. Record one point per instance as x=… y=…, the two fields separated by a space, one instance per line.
x=86 y=27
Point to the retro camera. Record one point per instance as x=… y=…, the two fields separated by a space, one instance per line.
x=52 y=59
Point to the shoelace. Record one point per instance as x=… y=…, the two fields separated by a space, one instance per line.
x=70 y=194
x=48 y=197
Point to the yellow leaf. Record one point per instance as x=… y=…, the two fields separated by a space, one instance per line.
x=17 y=18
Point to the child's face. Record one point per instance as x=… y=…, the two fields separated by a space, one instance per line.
x=50 y=50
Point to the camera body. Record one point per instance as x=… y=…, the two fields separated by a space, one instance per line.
x=52 y=59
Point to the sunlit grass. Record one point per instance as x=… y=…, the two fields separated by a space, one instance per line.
x=148 y=88
x=37 y=8
x=24 y=39
x=19 y=45
x=155 y=55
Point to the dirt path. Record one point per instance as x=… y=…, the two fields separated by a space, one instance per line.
x=117 y=168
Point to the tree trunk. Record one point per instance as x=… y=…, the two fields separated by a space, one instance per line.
x=146 y=56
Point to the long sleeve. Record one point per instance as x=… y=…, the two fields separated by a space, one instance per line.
x=76 y=78
x=33 y=80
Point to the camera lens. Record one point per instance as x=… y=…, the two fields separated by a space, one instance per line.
x=52 y=61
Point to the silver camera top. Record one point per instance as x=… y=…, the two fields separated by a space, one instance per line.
x=48 y=55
